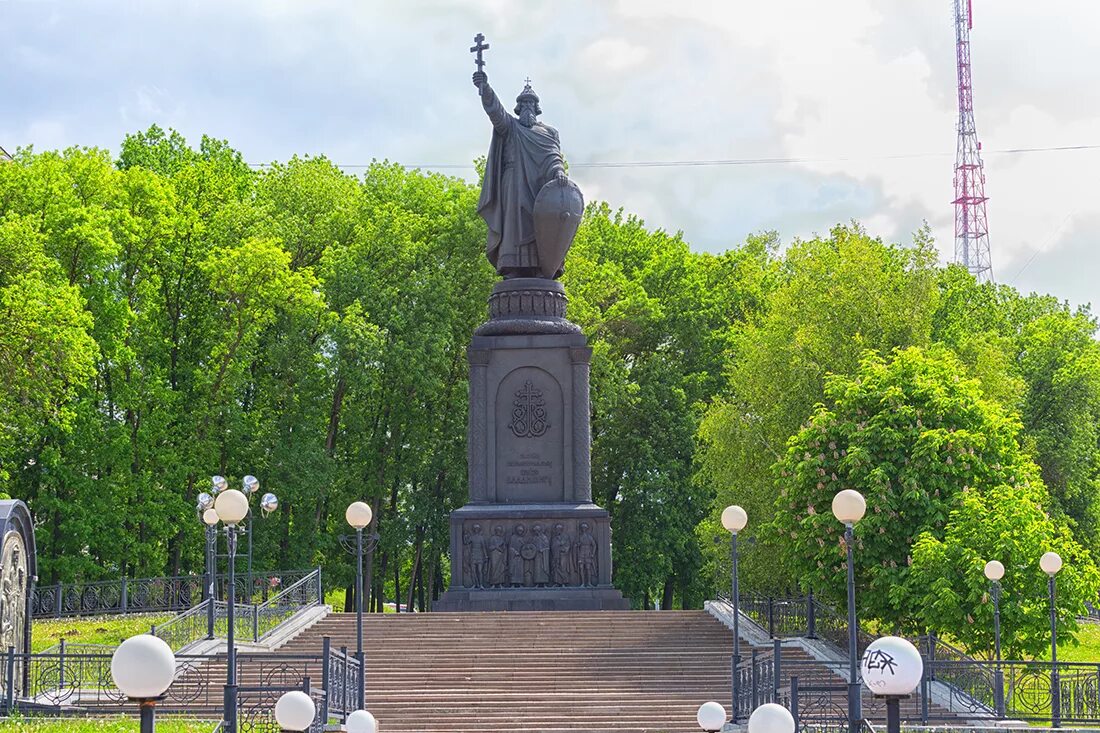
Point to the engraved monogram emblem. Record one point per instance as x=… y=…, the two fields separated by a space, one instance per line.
x=529 y=413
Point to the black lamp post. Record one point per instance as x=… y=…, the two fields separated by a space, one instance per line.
x=209 y=518
x=359 y=515
x=1051 y=563
x=994 y=571
x=734 y=520
x=232 y=507
x=268 y=503
x=849 y=507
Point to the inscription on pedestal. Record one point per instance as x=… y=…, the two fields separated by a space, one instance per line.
x=529 y=437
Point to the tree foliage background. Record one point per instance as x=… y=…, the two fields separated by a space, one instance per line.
x=172 y=312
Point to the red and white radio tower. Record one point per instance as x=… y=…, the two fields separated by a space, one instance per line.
x=971 y=225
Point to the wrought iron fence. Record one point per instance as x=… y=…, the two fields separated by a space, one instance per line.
x=153 y=595
x=1020 y=690
x=955 y=688
x=80 y=684
x=756 y=682
x=793 y=616
x=250 y=621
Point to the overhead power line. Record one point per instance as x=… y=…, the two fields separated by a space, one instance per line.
x=738 y=161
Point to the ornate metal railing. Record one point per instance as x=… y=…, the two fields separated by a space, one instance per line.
x=1022 y=690
x=269 y=615
x=251 y=622
x=153 y=595
x=792 y=616
x=81 y=684
x=780 y=617
x=756 y=678
x=815 y=692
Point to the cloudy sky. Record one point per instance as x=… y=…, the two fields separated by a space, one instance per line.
x=862 y=91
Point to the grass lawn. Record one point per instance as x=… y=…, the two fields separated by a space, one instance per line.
x=109 y=725
x=93 y=630
x=1087 y=648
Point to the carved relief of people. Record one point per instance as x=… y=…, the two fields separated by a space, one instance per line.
x=479 y=557
x=541 y=573
x=586 y=556
x=561 y=556
x=498 y=558
x=13 y=592
x=467 y=568
x=516 y=544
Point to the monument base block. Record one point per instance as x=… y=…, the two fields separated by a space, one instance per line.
x=531 y=557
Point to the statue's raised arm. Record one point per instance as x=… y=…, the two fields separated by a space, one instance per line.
x=531 y=208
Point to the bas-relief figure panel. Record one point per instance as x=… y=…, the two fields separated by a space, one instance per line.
x=529 y=554
x=530 y=430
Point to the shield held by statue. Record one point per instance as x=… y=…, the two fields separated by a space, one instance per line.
x=558 y=210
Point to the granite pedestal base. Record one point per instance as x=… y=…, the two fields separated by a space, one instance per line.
x=531 y=557
x=530 y=537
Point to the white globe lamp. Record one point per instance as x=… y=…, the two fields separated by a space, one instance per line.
x=231 y=506
x=295 y=711
x=1051 y=563
x=849 y=506
x=711 y=716
x=994 y=570
x=358 y=514
x=734 y=518
x=143 y=667
x=210 y=517
x=892 y=668
x=771 y=718
x=361 y=721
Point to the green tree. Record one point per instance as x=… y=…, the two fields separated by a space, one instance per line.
x=1005 y=523
x=913 y=434
x=820 y=308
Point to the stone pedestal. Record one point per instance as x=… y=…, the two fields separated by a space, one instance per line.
x=530 y=537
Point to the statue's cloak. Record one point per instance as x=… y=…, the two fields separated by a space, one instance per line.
x=510 y=185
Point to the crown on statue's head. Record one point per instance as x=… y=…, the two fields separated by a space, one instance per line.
x=528 y=95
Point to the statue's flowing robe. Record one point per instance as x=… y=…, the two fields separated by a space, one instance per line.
x=521 y=160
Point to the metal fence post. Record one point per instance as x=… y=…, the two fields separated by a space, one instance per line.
x=925 y=689
x=999 y=693
x=755 y=683
x=320 y=589
x=326 y=675
x=125 y=595
x=9 y=682
x=811 y=621
x=255 y=622
x=61 y=665
x=771 y=617
x=346 y=674
x=58 y=601
x=776 y=656
x=794 y=700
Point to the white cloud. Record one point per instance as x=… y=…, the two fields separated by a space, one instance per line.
x=854 y=82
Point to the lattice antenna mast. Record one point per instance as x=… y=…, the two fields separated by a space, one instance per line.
x=971 y=225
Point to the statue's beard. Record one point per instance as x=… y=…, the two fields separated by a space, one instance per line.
x=527 y=119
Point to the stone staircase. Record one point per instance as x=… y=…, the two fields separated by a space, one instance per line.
x=546 y=671
x=555 y=671
x=564 y=672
